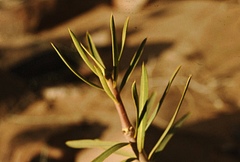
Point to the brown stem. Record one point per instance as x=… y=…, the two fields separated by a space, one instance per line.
x=142 y=157
x=127 y=128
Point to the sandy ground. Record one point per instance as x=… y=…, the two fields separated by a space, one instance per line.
x=43 y=104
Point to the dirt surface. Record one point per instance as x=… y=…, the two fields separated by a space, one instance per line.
x=42 y=104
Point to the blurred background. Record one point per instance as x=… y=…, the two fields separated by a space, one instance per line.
x=42 y=104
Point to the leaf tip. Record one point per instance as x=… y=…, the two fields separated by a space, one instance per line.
x=68 y=143
x=52 y=44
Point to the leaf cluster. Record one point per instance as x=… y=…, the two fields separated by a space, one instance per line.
x=146 y=111
x=93 y=60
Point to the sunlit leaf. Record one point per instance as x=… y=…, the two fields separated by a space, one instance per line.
x=146 y=108
x=88 y=143
x=171 y=132
x=81 y=51
x=94 y=60
x=151 y=101
x=170 y=124
x=93 y=50
x=136 y=103
x=73 y=71
x=103 y=81
x=133 y=64
x=135 y=96
x=124 y=33
x=114 y=48
x=143 y=114
x=143 y=97
x=156 y=110
x=109 y=151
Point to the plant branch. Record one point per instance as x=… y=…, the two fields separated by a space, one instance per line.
x=127 y=128
x=135 y=136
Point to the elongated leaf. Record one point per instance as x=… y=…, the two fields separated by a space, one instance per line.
x=136 y=103
x=143 y=113
x=133 y=64
x=143 y=97
x=109 y=151
x=114 y=48
x=105 y=85
x=81 y=51
x=124 y=33
x=171 y=132
x=156 y=110
x=73 y=71
x=135 y=96
x=146 y=108
x=150 y=101
x=93 y=50
x=88 y=143
x=170 y=124
x=94 y=60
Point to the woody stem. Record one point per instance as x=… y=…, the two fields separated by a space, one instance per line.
x=127 y=128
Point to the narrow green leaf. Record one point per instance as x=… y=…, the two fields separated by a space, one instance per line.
x=109 y=151
x=73 y=71
x=124 y=33
x=156 y=110
x=94 y=60
x=88 y=143
x=143 y=97
x=170 y=124
x=81 y=51
x=133 y=64
x=114 y=48
x=93 y=50
x=143 y=113
x=136 y=103
x=151 y=101
x=103 y=81
x=146 y=108
x=135 y=96
x=171 y=132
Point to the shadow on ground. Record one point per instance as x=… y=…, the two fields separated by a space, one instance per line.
x=54 y=138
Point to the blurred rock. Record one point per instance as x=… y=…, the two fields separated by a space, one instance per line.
x=129 y=5
x=18 y=17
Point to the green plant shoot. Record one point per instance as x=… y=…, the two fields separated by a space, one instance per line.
x=143 y=102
